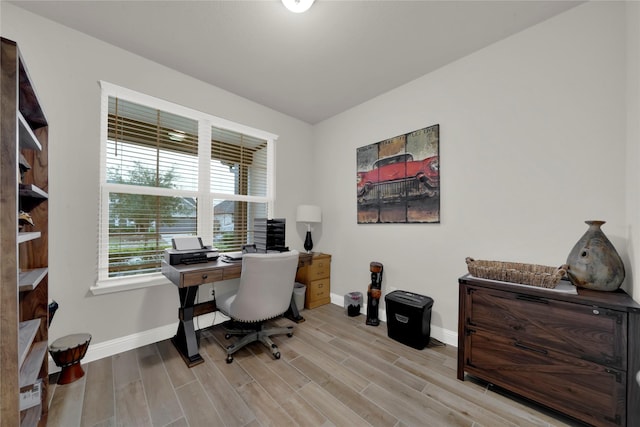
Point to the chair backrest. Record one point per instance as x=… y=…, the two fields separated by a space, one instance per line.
x=266 y=286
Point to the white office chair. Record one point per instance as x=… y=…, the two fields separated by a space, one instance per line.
x=265 y=290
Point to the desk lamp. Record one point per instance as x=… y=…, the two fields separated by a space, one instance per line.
x=308 y=214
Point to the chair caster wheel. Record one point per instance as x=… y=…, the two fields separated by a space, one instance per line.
x=229 y=359
x=276 y=355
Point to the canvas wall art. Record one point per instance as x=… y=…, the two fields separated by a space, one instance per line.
x=398 y=179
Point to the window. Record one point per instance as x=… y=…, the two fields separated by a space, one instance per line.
x=169 y=171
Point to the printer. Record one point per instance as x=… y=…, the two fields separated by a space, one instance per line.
x=189 y=250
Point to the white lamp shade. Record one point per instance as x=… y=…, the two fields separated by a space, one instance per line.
x=297 y=6
x=309 y=213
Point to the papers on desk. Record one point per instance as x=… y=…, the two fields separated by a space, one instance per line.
x=232 y=256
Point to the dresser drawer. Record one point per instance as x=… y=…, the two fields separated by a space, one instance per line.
x=200 y=277
x=581 y=331
x=232 y=272
x=320 y=268
x=318 y=293
x=576 y=387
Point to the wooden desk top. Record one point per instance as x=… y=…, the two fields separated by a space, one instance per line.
x=184 y=275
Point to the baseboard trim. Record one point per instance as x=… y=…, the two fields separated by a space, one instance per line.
x=444 y=335
x=133 y=341
x=130 y=342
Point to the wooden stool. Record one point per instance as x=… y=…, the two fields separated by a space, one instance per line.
x=67 y=353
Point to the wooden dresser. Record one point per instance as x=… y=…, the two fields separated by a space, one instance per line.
x=576 y=354
x=317 y=277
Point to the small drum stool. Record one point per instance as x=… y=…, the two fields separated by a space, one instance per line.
x=67 y=353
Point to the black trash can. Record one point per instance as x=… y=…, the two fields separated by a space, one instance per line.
x=409 y=318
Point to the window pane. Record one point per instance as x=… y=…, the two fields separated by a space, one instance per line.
x=233 y=223
x=238 y=163
x=257 y=174
x=150 y=147
x=141 y=227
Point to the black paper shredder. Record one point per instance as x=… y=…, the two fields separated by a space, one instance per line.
x=409 y=318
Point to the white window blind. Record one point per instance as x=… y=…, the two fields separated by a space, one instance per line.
x=238 y=168
x=168 y=171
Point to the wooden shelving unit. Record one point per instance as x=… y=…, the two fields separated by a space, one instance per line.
x=23 y=265
x=30 y=190
x=29 y=279
x=27 y=137
x=25 y=237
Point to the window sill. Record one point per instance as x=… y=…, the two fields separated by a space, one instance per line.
x=120 y=284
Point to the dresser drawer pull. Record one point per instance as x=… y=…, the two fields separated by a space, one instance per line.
x=614 y=373
x=530 y=298
x=616 y=314
x=204 y=276
x=526 y=347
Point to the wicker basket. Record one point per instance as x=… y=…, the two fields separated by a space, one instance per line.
x=515 y=272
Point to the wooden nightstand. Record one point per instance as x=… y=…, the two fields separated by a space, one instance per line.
x=317 y=277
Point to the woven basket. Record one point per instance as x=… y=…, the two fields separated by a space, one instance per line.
x=515 y=272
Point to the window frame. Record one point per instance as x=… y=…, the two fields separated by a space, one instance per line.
x=205 y=197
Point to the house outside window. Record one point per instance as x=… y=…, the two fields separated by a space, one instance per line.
x=169 y=171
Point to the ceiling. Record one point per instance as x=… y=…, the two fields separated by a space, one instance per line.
x=311 y=66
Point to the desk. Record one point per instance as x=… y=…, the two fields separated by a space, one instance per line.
x=188 y=278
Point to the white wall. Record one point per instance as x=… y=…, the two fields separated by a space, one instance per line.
x=65 y=66
x=532 y=143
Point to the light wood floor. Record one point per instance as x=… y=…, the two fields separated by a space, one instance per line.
x=335 y=370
